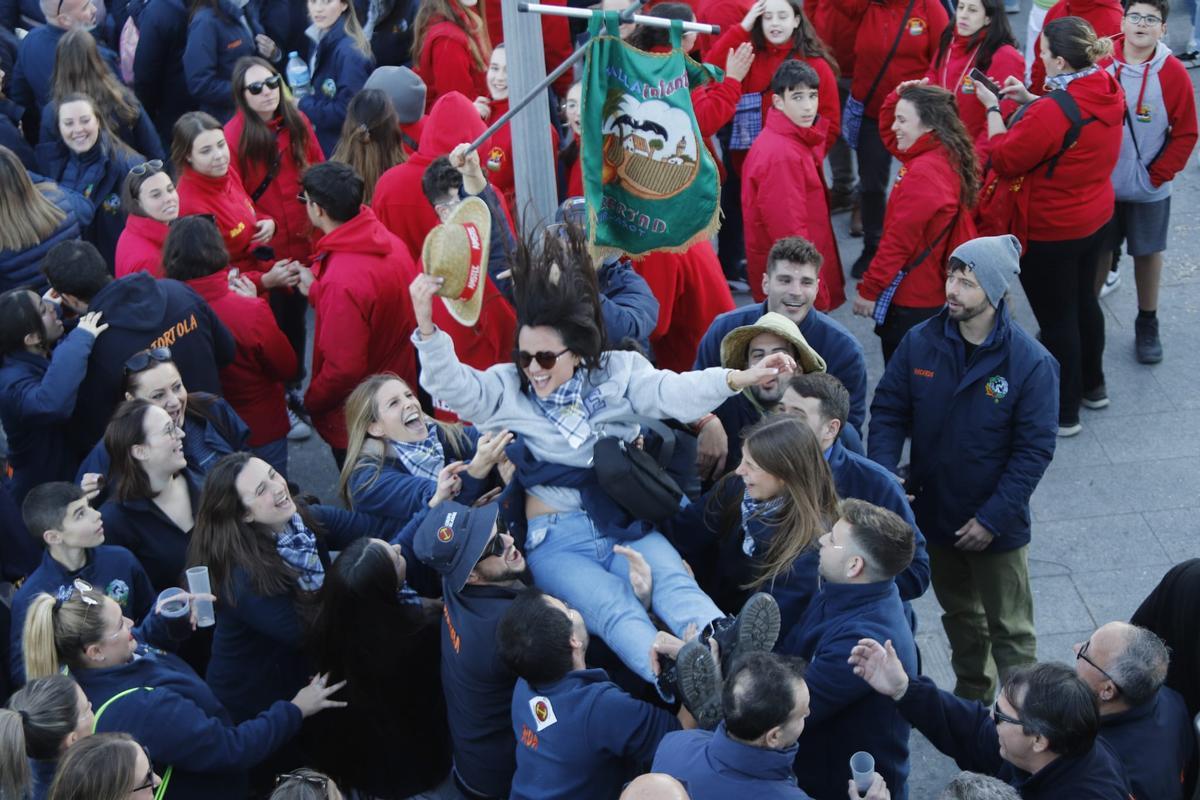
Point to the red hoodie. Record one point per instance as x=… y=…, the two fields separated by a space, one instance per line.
x=446 y=46
x=226 y=199
x=925 y=198
x=953 y=74
x=140 y=247
x=556 y=39
x=399 y=201
x=1104 y=16
x=364 y=317
x=783 y=194
x=725 y=13
x=496 y=158
x=877 y=23
x=253 y=382
x=837 y=32
x=294 y=234
x=1078 y=199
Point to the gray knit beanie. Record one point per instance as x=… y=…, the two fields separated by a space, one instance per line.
x=404 y=88
x=994 y=260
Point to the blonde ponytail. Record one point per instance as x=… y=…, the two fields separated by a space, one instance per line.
x=37 y=639
x=56 y=634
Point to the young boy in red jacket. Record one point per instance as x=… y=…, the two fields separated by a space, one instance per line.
x=1159 y=135
x=783 y=188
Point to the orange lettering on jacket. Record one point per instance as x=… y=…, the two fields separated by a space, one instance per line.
x=455 y=641
x=922 y=373
x=234 y=45
x=174 y=333
x=529 y=738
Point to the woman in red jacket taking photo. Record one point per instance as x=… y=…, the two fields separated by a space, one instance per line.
x=452 y=49
x=978 y=38
x=927 y=214
x=1064 y=199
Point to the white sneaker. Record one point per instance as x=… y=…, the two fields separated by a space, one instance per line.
x=299 y=429
x=1111 y=281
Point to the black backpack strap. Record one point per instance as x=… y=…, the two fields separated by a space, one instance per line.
x=655 y=425
x=891 y=53
x=1070 y=110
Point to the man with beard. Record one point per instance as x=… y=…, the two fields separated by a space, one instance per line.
x=977 y=395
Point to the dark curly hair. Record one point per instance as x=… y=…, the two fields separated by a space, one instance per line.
x=938 y=109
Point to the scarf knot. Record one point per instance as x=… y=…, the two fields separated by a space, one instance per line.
x=564 y=407
x=297 y=546
x=425 y=458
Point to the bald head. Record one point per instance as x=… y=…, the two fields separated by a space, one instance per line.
x=654 y=786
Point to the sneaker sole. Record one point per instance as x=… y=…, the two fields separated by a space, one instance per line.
x=699 y=683
x=1094 y=404
x=1067 y=431
x=758 y=625
x=1150 y=359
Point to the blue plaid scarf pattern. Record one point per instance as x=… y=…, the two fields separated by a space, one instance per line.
x=747 y=121
x=424 y=459
x=297 y=546
x=1064 y=80
x=764 y=509
x=564 y=407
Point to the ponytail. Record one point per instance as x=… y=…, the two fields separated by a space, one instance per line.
x=1074 y=40
x=37 y=640
x=15 y=777
x=56 y=634
x=1100 y=49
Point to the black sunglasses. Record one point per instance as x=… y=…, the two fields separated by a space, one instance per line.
x=544 y=358
x=495 y=547
x=999 y=716
x=154 y=165
x=319 y=781
x=258 y=86
x=1082 y=654
x=146 y=359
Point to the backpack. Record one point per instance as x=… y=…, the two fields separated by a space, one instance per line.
x=1003 y=205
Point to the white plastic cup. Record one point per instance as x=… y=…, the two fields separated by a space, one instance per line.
x=176 y=605
x=862 y=768
x=197 y=579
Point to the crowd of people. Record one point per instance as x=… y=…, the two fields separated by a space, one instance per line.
x=598 y=532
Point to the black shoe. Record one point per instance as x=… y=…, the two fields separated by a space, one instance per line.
x=698 y=683
x=841 y=200
x=1149 y=347
x=864 y=261
x=754 y=629
x=1095 y=399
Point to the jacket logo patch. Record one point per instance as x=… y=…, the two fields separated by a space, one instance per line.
x=329 y=88
x=495 y=159
x=234 y=233
x=1143 y=113
x=445 y=534
x=118 y=590
x=922 y=373
x=543 y=712
x=968 y=85
x=916 y=26
x=234 y=45
x=996 y=388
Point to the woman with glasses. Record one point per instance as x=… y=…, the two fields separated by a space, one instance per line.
x=560 y=395
x=370 y=140
x=372 y=746
x=150 y=198
x=137 y=685
x=87 y=158
x=107 y=766
x=40 y=373
x=339 y=61
x=42 y=720
x=78 y=68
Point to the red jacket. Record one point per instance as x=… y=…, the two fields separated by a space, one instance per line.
x=953 y=74
x=693 y=284
x=575 y=179
x=497 y=157
x=925 y=198
x=725 y=13
x=837 y=32
x=228 y=201
x=877 y=22
x=364 y=317
x=294 y=234
x=783 y=194
x=140 y=247
x=1104 y=16
x=446 y=46
x=1078 y=199
x=253 y=382
x=399 y=201
x=763 y=69
x=556 y=39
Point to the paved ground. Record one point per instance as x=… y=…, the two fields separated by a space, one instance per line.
x=1120 y=503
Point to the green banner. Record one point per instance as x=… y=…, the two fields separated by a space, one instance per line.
x=650 y=182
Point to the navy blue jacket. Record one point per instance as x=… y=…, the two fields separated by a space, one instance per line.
x=10 y=134
x=182 y=724
x=19 y=553
x=144 y=312
x=20 y=14
x=21 y=268
x=629 y=308
x=257 y=652
x=158 y=77
x=142 y=528
x=30 y=84
x=111 y=570
x=37 y=398
x=587 y=741
x=715 y=767
x=846 y=715
x=844 y=357
x=982 y=433
x=43 y=775
x=1155 y=743
x=98 y=175
x=215 y=41
x=338 y=72
x=140 y=136
x=391 y=41
x=478 y=688
x=964 y=731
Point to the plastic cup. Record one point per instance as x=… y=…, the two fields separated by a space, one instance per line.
x=197 y=580
x=176 y=605
x=862 y=769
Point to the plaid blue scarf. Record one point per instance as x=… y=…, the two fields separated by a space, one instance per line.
x=764 y=509
x=423 y=459
x=297 y=546
x=747 y=121
x=1064 y=80
x=564 y=407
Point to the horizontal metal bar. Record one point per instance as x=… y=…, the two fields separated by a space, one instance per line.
x=640 y=19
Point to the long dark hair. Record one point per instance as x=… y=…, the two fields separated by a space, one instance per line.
x=647 y=38
x=990 y=37
x=938 y=109
x=554 y=285
x=222 y=540
x=126 y=429
x=78 y=67
x=184 y=134
x=370 y=140
x=805 y=41
x=19 y=317
x=257 y=144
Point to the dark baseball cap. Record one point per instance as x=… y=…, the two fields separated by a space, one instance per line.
x=453 y=537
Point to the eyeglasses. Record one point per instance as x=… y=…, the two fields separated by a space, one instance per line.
x=257 y=87
x=1082 y=654
x=999 y=716
x=1143 y=20
x=139 y=362
x=154 y=165
x=302 y=199
x=544 y=358
x=495 y=547
x=148 y=781
x=312 y=779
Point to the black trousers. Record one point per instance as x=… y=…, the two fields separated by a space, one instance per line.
x=899 y=321
x=874 y=169
x=290 y=309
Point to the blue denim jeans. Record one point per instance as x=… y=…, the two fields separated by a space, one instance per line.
x=571 y=560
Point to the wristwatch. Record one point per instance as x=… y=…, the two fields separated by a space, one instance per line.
x=995 y=109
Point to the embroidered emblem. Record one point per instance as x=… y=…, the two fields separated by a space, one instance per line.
x=329 y=88
x=1143 y=113
x=118 y=590
x=996 y=388
x=495 y=159
x=445 y=534
x=916 y=26
x=543 y=712
x=968 y=85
